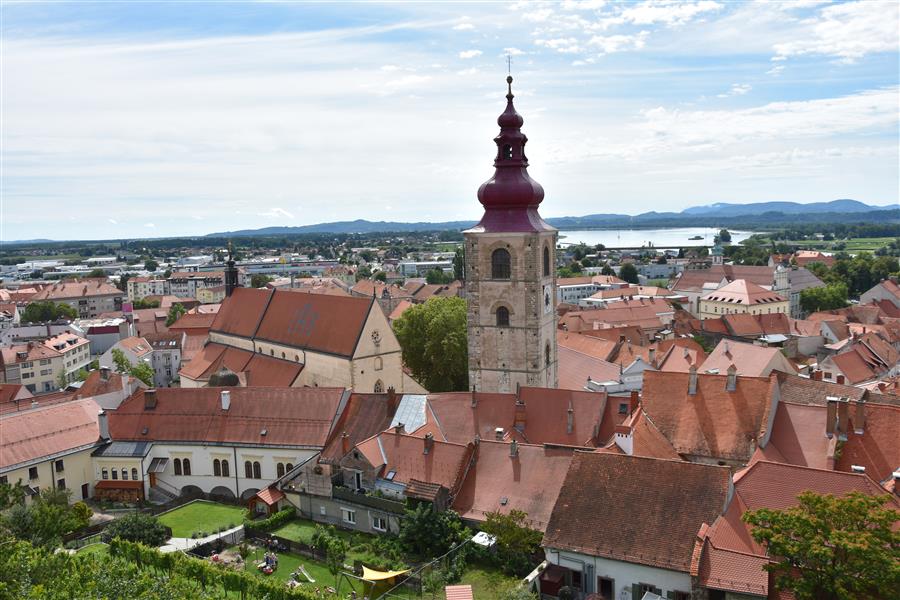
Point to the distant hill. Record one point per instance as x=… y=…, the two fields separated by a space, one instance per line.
x=723 y=209
x=701 y=216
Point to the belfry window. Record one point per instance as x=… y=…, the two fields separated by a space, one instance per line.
x=506 y=152
x=500 y=264
x=547 y=355
x=546 y=261
x=502 y=316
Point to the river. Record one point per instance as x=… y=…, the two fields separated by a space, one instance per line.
x=636 y=238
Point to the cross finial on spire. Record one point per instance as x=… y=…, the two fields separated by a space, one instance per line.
x=508 y=63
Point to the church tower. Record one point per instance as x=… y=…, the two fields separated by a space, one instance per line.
x=511 y=273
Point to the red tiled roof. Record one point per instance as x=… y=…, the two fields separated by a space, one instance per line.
x=458 y=592
x=575 y=368
x=11 y=391
x=270 y=495
x=743 y=292
x=84 y=288
x=401 y=308
x=498 y=482
x=648 y=441
x=33 y=351
x=95 y=386
x=241 y=313
x=801 y=390
x=713 y=422
x=271 y=372
x=592 y=346
x=443 y=465
x=876 y=448
x=854 y=366
x=798 y=435
x=364 y=416
x=290 y=416
x=616 y=506
x=733 y=571
x=750 y=359
x=743 y=324
x=47 y=430
x=108 y=484
x=191 y=321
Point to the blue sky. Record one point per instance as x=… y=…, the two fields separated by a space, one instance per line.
x=138 y=119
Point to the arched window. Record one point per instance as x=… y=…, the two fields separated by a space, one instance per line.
x=115 y=473
x=500 y=264
x=225 y=469
x=124 y=474
x=379 y=387
x=257 y=470
x=502 y=316
x=134 y=473
x=279 y=469
x=379 y=364
x=288 y=467
x=546 y=261
x=547 y=355
x=177 y=464
x=186 y=466
x=248 y=469
x=104 y=474
x=217 y=468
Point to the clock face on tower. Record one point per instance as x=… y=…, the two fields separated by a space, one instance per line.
x=548 y=301
x=376 y=337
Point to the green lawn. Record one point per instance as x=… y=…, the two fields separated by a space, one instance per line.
x=301 y=530
x=287 y=564
x=852 y=245
x=488 y=583
x=98 y=548
x=201 y=516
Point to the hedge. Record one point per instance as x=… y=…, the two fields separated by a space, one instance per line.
x=272 y=523
x=207 y=574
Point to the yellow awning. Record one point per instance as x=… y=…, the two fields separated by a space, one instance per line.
x=372 y=575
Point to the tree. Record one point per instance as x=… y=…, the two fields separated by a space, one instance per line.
x=45 y=520
x=326 y=540
x=459 y=262
x=519 y=592
x=628 y=272
x=516 y=542
x=832 y=548
x=120 y=361
x=829 y=297
x=381 y=276
x=433 y=582
x=96 y=273
x=175 y=313
x=123 y=281
x=150 y=265
x=426 y=532
x=437 y=276
x=259 y=280
x=145 y=303
x=363 y=272
x=724 y=236
x=433 y=339
x=41 y=312
x=142 y=371
x=137 y=527
x=607 y=270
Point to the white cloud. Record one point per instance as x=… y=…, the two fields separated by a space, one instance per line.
x=567 y=45
x=390 y=68
x=609 y=44
x=847 y=31
x=737 y=89
x=113 y=221
x=463 y=27
x=583 y=4
x=469 y=71
x=668 y=12
x=538 y=16
x=276 y=213
x=513 y=51
x=470 y=53
x=150 y=225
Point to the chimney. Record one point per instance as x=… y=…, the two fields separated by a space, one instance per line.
x=731 y=384
x=692 y=381
x=149 y=399
x=830 y=416
x=104 y=373
x=570 y=420
x=345 y=442
x=398 y=428
x=843 y=410
x=429 y=442
x=651 y=355
x=391 y=400
x=226 y=399
x=633 y=401
x=498 y=434
x=840 y=379
x=103 y=424
x=514 y=449
x=859 y=418
x=624 y=438
x=520 y=415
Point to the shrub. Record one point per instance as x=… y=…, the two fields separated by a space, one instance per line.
x=274 y=522
x=137 y=527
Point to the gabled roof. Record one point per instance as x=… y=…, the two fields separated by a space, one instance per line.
x=289 y=416
x=398 y=311
x=47 y=430
x=328 y=324
x=575 y=368
x=192 y=321
x=261 y=370
x=854 y=366
x=633 y=509
x=13 y=391
x=798 y=436
x=750 y=359
x=744 y=293
x=802 y=390
x=83 y=288
x=592 y=346
x=714 y=422
x=364 y=416
x=498 y=482
x=443 y=465
x=95 y=385
x=876 y=448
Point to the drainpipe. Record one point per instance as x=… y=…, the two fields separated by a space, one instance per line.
x=237 y=484
x=587 y=571
x=143 y=481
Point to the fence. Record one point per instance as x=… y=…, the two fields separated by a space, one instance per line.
x=293 y=546
x=219 y=543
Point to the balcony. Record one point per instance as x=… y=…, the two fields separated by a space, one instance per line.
x=364 y=499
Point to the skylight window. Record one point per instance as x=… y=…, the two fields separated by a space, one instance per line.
x=390 y=475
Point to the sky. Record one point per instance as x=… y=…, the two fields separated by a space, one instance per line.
x=141 y=119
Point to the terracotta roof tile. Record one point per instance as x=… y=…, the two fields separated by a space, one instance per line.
x=47 y=430
x=751 y=360
x=289 y=416
x=876 y=448
x=529 y=482
x=575 y=368
x=592 y=346
x=743 y=292
x=615 y=507
x=364 y=416
x=713 y=422
x=242 y=312
x=801 y=390
x=398 y=311
x=84 y=288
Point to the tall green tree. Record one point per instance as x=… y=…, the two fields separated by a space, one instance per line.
x=516 y=541
x=150 y=265
x=829 y=297
x=832 y=548
x=607 y=270
x=459 y=264
x=433 y=339
x=45 y=520
x=628 y=272
x=41 y=312
x=258 y=280
x=428 y=533
x=175 y=313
